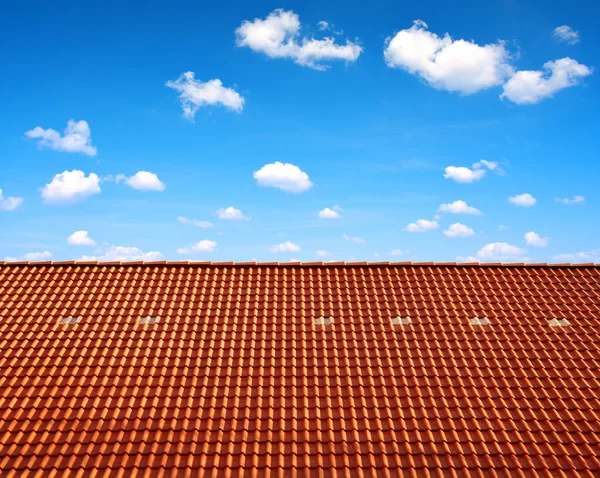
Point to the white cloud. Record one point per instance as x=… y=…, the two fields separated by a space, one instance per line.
x=575 y=200
x=124 y=253
x=458 y=230
x=70 y=187
x=287 y=246
x=445 y=64
x=278 y=36
x=532 y=86
x=355 y=240
x=466 y=259
x=286 y=176
x=322 y=253
x=142 y=181
x=200 y=246
x=330 y=213
x=37 y=256
x=566 y=34
x=534 y=239
x=196 y=94
x=323 y=25
x=422 y=225
x=80 y=238
x=524 y=200
x=77 y=138
x=499 y=251
x=201 y=224
x=9 y=203
x=589 y=256
x=459 y=207
x=462 y=174
x=232 y=214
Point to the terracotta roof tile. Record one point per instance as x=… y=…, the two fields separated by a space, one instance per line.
x=236 y=377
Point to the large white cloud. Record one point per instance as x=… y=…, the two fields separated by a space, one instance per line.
x=500 y=251
x=231 y=214
x=142 y=181
x=534 y=239
x=459 y=207
x=70 y=187
x=80 y=238
x=459 y=230
x=201 y=246
x=533 y=86
x=523 y=200
x=287 y=246
x=454 y=65
x=195 y=94
x=422 y=225
x=9 y=203
x=278 y=36
x=287 y=177
x=76 y=139
x=566 y=34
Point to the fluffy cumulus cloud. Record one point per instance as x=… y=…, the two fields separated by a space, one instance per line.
x=462 y=174
x=446 y=64
x=142 y=181
x=201 y=246
x=355 y=240
x=422 y=225
x=287 y=177
x=70 y=187
x=231 y=214
x=123 y=253
x=194 y=222
x=459 y=207
x=566 y=34
x=571 y=201
x=587 y=256
x=500 y=251
x=278 y=36
x=195 y=94
x=532 y=86
x=80 y=238
x=523 y=200
x=77 y=138
x=287 y=246
x=458 y=230
x=9 y=203
x=535 y=240
x=330 y=213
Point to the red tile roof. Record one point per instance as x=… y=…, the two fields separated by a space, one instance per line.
x=237 y=378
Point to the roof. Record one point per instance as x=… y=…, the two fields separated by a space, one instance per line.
x=300 y=370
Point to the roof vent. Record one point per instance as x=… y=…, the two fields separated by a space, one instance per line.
x=148 y=320
x=401 y=320
x=479 y=321
x=69 y=320
x=558 y=322
x=324 y=321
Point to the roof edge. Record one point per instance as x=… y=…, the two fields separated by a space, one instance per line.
x=292 y=264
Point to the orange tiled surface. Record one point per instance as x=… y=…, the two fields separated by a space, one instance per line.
x=236 y=379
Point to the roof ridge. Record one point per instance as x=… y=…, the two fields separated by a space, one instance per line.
x=295 y=263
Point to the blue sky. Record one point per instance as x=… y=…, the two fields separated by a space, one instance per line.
x=377 y=124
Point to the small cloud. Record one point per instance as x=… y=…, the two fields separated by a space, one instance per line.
x=523 y=200
x=534 y=239
x=231 y=214
x=142 y=181
x=194 y=222
x=466 y=259
x=330 y=213
x=80 y=238
x=459 y=207
x=574 y=200
x=287 y=246
x=462 y=174
x=566 y=34
x=500 y=251
x=200 y=246
x=355 y=240
x=323 y=25
x=70 y=187
x=421 y=225
x=9 y=203
x=288 y=177
x=37 y=256
x=76 y=139
x=458 y=230
x=322 y=253
x=396 y=252
x=589 y=256
x=196 y=94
